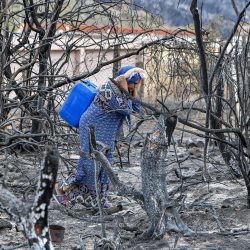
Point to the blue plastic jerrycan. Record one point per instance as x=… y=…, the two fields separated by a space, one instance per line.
x=79 y=99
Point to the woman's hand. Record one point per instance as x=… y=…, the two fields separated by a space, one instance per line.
x=135 y=92
x=133 y=89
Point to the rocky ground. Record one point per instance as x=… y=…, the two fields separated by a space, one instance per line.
x=216 y=210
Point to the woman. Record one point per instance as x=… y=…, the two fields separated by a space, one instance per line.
x=107 y=112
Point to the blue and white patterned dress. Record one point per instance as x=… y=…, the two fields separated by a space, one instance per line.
x=107 y=113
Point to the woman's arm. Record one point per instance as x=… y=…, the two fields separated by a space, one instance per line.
x=118 y=101
x=115 y=100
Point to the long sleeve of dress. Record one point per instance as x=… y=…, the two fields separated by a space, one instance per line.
x=136 y=106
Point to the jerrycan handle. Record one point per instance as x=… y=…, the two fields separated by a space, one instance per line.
x=89 y=84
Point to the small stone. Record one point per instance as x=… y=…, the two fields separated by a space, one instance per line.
x=4 y=224
x=195 y=143
x=195 y=152
x=227 y=203
x=200 y=144
x=180 y=155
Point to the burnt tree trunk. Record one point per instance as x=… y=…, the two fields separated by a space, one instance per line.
x=216 y=124
x=33 y=219
x=160 y=208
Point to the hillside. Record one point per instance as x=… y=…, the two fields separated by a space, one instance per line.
x=177 y=13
